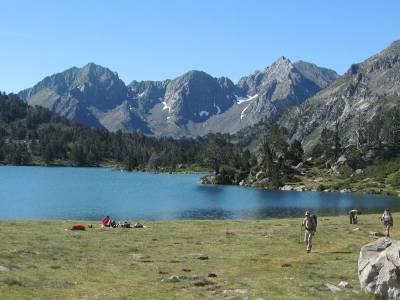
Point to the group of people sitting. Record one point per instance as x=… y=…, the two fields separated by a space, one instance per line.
x=107 y=222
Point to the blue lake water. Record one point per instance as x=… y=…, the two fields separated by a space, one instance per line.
x=90 y=193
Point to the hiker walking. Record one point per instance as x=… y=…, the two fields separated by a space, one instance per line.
x=353 y=214
x=310 y=225
x=387 y=220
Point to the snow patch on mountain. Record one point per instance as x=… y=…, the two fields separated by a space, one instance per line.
x=204 y=113
x=243 y=114
x=218 y=109
x=165 y=106
x=241 y=100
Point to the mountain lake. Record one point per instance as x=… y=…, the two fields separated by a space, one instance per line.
x=33 y=193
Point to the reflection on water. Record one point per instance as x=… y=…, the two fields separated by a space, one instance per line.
x=90 y=193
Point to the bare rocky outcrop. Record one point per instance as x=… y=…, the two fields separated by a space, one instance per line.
x=379 y=268
x=367 y=90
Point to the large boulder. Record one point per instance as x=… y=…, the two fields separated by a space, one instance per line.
x=379 y=268
x=208 y=179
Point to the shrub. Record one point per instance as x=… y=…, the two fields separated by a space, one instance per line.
x=394 y=179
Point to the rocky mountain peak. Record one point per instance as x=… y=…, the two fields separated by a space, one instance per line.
x=196 y=96
x=280 y=69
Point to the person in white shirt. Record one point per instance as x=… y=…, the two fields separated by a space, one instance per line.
x=387 y=220
x=310 y=227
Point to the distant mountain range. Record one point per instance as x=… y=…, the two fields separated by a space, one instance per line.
x=300 y=96
x=192 y=104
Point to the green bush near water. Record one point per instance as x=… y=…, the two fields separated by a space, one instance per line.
x=394 y=179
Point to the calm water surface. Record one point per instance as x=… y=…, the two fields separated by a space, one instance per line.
x=90 y=193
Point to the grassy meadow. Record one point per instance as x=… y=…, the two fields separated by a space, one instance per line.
x=209 y=259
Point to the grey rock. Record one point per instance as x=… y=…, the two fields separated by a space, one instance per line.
x=341 y=159
x=176 y=278
x=332 y=288
x=202 y=282
x=335 y=169
x=286 y=188
x=25 y=251
x=369 y=156
x=140 y=257
x=209 y=179
x=260 y=175
x=345 y=285
x=376 y=233
x=379 y=268
x=359 y=171
x=299 y=165
x=4 y=269
x=299 y=188
x=243 y=293
x=198 y=256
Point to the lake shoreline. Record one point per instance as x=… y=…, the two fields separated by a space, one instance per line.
x=312 y=184
x=306 y=187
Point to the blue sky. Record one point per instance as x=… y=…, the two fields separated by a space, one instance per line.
x=159 y=39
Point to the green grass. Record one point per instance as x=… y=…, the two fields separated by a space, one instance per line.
x=264 y=257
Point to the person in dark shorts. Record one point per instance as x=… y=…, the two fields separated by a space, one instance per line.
x=353 y=214
x=387 y=220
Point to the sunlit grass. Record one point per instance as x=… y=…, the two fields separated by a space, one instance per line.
x=266 y=258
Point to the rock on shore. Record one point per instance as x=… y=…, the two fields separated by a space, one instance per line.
x=379 y=268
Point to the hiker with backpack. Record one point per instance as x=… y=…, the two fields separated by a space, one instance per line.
x=353 y=214
x=310 y=224
x=387 y=220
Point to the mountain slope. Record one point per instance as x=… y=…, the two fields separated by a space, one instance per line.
x=320 y=76
x=366 y=91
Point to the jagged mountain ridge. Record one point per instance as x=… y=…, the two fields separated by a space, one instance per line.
x=192 y=104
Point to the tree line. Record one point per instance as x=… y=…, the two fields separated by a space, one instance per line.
x=30 y=135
